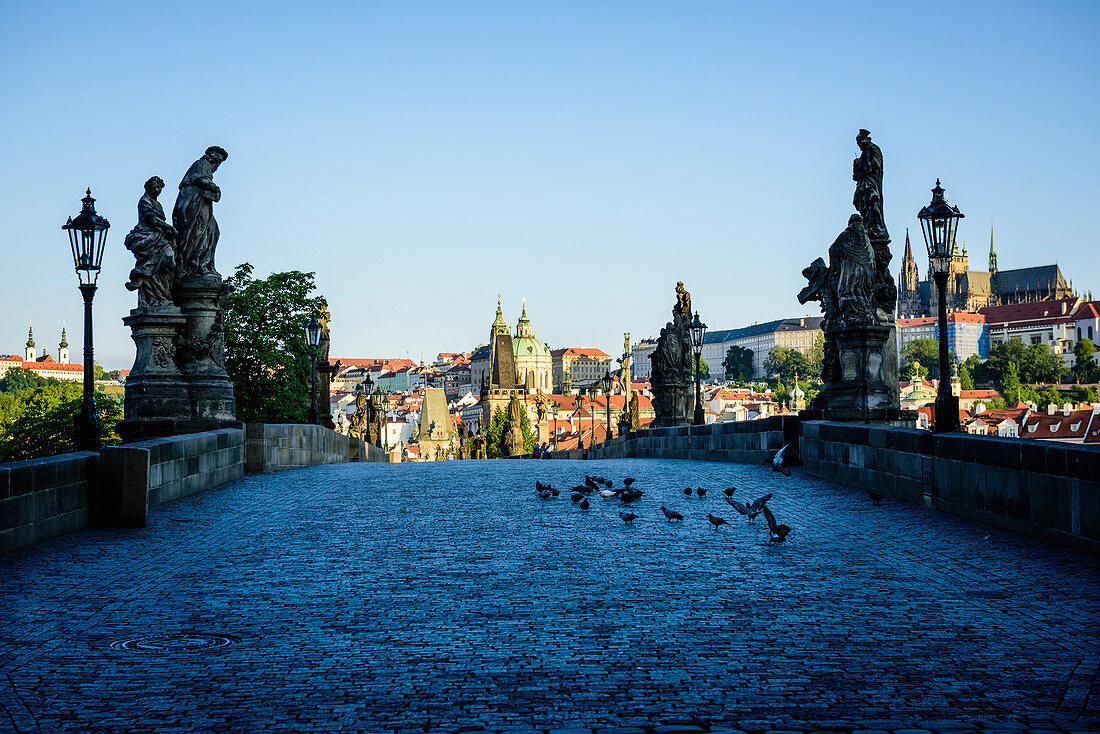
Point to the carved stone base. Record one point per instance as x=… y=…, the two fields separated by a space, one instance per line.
x=154 y=388
x=673 y=405
x=861 y=392
x=200 y=349
x=144 y=430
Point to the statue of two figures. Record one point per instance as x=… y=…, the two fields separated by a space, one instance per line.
x=167 y=252
x=671 y=375
x=178 y=382
x=858 y=298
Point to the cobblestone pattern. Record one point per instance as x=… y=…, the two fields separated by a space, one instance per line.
x=447 y=597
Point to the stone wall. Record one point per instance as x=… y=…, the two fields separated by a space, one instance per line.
x=277 y=446
x=44 y=498
x=1047 y=489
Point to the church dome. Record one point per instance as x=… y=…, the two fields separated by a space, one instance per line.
x=524 y=344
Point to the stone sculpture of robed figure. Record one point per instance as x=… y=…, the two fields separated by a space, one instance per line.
x=193 y=215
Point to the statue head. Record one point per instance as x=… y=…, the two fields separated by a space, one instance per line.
x=215 y=154
x=855 y=219
x=863 y=135
x=154 y=186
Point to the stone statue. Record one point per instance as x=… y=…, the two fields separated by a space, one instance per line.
x=542 y=404
x=867 y=173
x=628 y=419
x=360 y=421
x=671 y=374
x=479 y=443
x=513 y=431
x=151 y=243
x=193 y=215
x=851 y=278
x=325 y=371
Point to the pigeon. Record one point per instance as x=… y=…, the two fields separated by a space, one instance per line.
x=545 y=494
x=729 y=491
x=628 y=481
x=630 y=495
x=584 y=504
x=671 y=514
x=628 y=517
x=702 y=492
x=583 y=489
x=539 y=486
x=606 y=494
x=777 y=462
x=609 y=484
x=715 y=521
x=554 y=492
x=875 y=495
x=687 y=491
x=758 y=503
x=739 y=506
x=577 y=497
x=779 y=533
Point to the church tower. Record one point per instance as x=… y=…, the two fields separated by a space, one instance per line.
x=63 y=347
x=31 y=353
x=909 y=303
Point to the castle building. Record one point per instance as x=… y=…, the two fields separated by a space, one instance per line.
x=971 y=290
x=529 y=357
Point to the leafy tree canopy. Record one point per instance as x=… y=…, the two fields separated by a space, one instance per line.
x=1085 y=368
x=704 y=369
x=44 y=418
x=784 y=363
x=17 y=379
x=925 y=351
x=738 y=363
x=966 y=382
x=265 y=348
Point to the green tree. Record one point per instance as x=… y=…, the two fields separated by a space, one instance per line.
x=265 y=349
x=925 y=351
x=738 y=363
x=977 y=369
x=1084 y=368
x=18 y=379
x=1041 y=365
x=44 y=421
x=1010 y=385
x=815 y=358
x=529 y=434
x=495 y=438
x=1049 y=396
x=966 y=382
x=784 y=363
x=704 y=369
x=913 y=371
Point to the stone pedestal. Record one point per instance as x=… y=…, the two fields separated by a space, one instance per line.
x=155 y=391
x=861 y=392
x=672 y=404
x=200 y=349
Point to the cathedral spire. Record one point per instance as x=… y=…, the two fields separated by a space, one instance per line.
x=64 y=342
x=992 y=250
x=30 y=334
x=499 y=326
x=908 y=247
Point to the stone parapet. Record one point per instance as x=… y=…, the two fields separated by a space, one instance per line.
x=278 y=446
x=44 y=498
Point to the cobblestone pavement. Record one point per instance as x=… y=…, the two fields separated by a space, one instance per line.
x=447 y=597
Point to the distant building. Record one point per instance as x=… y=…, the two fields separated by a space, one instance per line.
x=967 y=333
x=973 y=290
x=793 y=333
x=641 y=367
x=585 y=365
x=44 y=366
x=1059 y=324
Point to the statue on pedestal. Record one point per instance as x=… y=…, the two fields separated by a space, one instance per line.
x=671 y=374
x=193 y=215
x=360 y=421
x=513 y=431
x=151 y=243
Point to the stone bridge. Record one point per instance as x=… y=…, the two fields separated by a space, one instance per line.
x=447 y=597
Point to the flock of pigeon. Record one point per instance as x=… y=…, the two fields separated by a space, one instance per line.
x=628 y=494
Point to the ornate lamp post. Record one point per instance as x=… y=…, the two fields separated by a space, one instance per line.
x=939 y=223
x=698 y=329
x=313 y=339
x=554 y=430
x=87 y=237
x=606 y=380
x=580 y=433
x=382 y=424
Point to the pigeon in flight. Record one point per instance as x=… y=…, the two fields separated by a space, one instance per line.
x=777 y=462
x=779 y=533
x=671 y=515
x=739 y=506
x=715 y=521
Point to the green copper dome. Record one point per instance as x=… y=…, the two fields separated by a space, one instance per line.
x=525 y=343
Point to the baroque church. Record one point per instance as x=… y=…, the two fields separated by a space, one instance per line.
x=969 y=290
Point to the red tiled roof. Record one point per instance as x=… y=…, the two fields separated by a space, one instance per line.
x=957 y=316
x=580 y=352
x=1035 y=312
x=1063 y=425
x=978 y=394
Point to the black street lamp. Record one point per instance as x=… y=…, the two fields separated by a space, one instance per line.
x=87 y=236
x=313 y=339
x=606 y=380
x=698 y=329
x=554 y=430
x=940 y=223
x=580 y=429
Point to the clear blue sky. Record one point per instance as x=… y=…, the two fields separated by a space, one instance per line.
x=423 y=157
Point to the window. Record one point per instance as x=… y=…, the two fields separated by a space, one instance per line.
x=1035 y=340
